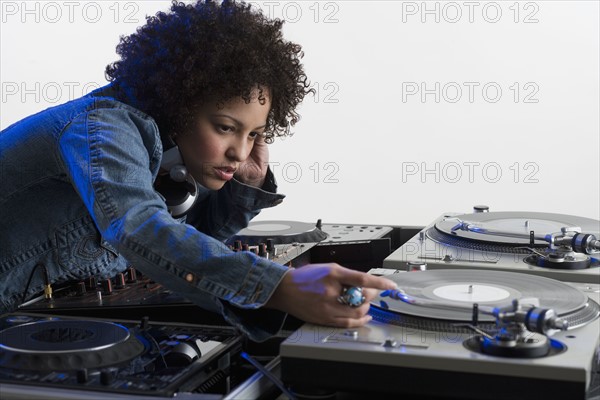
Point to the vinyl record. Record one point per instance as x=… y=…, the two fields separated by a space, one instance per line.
x=463 y=288
x=281 y=232
x=518 y=222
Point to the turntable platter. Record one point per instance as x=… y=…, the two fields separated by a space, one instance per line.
x=67 y=345
x=466 y=287
x=280 y=232
x=518 y=222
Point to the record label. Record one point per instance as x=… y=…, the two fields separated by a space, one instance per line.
x=274 y=228
x=471 y=293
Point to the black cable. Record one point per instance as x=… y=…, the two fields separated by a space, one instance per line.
x=46 y=279
x=47 y=286
x=269 y=375
x=155 y=343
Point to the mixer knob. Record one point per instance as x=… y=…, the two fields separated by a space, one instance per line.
x=132 y=275
x=92 y=282
x=262 y=250
x=270 y=246
x=120 y=281
x=80 y=288
x=107 y=286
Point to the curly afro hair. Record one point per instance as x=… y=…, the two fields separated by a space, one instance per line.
x=209 y=52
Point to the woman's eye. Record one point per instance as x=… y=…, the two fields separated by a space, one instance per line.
x=253 y=135
x=224 y=128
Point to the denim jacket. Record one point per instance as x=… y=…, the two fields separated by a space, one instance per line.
x=76 y=194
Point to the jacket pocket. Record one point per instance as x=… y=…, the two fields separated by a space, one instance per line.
x=81 y=251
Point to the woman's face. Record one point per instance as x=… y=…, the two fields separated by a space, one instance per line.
x=222 y=139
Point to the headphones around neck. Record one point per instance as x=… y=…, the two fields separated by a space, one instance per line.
x=177 y=188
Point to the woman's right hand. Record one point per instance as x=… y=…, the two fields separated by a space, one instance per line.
x=311 y=293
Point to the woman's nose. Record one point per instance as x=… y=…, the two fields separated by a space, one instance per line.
x=238 y=150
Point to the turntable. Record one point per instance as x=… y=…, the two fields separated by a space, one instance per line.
x=51 y=357
x=464 y=334
x=562 y=247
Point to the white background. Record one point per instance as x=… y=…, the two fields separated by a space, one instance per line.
x=421 y=107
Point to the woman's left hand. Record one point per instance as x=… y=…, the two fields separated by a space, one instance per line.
x=254 y=169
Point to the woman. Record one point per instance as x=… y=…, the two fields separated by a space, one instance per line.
x=193 y=101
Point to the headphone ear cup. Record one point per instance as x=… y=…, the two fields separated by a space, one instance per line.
x=178 y=188
x=178 y=173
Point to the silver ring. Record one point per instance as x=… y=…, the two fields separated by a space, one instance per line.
x=351 y=296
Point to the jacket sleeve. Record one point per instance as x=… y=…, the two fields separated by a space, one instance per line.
x=223 y=213
x=109 y=155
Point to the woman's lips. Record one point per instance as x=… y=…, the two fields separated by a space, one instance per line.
x=225 y=173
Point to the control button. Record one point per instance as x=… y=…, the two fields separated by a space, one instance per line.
x=106 y=378
x=352 y=333
x=448 y=258
x=145 y=323
x=414 y=266
x=82 y=375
